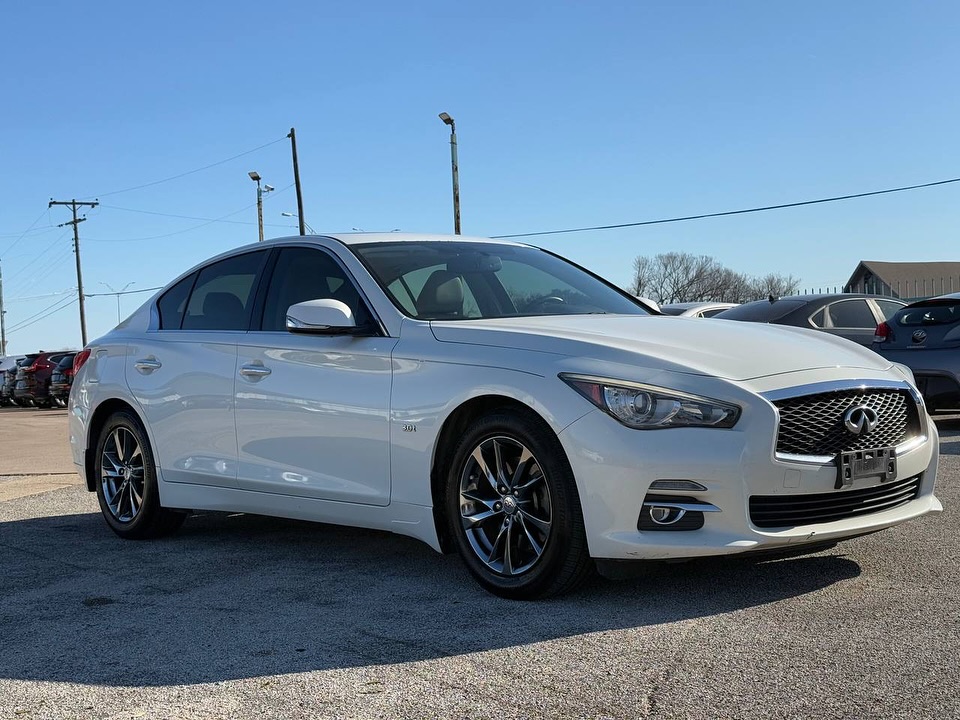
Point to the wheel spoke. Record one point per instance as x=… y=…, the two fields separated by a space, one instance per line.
x=480 y=518
x=508 y=551
x=136 y=499
x=541 y=525
x=537 y=547
x=496 y=544
x=525 y=458
x=118 y=444
x=498 y=460
x=477 y=455
x=531 y=482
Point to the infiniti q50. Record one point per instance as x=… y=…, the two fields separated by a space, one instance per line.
x=491 y=399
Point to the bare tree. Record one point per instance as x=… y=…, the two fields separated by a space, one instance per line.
x=682 y=277
x=775 y=285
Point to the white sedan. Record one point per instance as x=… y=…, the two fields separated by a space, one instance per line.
x=494 y=399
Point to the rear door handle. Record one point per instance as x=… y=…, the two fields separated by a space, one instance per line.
x=254 y=372
x=148 y=365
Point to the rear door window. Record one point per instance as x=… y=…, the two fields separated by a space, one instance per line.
x=851 y=314
x=173 y=303
x=223 y=295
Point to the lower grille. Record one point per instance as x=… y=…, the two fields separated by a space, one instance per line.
x=780 y=511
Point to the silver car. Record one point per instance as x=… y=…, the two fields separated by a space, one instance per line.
x=925 y=336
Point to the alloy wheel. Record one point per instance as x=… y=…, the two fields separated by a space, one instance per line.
x=505 y=505
x=122 y=474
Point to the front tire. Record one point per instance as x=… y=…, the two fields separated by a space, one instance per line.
x=513 y=509
x=126 y=481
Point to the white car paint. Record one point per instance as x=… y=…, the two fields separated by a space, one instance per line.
x=346 y=429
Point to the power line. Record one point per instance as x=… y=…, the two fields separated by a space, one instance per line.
x=46 y=312
x=11 y=245
x=189 y=172
x=124 y=292
x=730 y=212
x=189 y=217
x=42 y=297
x=222 y=218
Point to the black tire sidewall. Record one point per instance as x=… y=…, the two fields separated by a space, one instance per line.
x=567 y=518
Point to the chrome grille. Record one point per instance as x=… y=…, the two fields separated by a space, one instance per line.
x=782 y=511
x=813 y=424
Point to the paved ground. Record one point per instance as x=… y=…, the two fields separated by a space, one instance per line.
x=245 y=617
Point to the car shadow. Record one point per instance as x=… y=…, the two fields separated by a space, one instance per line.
x=240 y=596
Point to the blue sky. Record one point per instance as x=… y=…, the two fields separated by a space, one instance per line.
x=569 y=114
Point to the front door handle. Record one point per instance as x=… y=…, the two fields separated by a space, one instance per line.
x=147 y=365
x=254 y=372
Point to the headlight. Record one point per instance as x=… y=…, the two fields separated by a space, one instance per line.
x=646 y=407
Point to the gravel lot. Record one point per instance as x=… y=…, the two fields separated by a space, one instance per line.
x=246 y=617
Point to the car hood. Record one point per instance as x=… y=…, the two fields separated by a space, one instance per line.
x=725 y=349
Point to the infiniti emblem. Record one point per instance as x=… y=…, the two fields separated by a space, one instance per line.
x=861 y=420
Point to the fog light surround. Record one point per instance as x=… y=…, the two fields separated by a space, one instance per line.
x=671 y=512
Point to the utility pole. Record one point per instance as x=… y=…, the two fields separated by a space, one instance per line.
x=296 y=179
x=3 y=323
x=76 y=249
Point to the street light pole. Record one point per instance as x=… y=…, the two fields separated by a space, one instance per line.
x=305 y=223
x=118 y=293
x=455 y=169
x=255 y=176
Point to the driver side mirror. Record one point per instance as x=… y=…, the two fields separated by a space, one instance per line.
x=321 y=317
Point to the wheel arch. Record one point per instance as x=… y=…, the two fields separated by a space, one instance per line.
x=97 y=421
x=453 y=427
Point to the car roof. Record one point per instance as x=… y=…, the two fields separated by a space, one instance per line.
x=399 y=238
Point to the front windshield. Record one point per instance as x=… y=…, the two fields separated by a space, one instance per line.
x=467 y=280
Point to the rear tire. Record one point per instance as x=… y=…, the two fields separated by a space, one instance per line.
x=513 y=509
x=125 y=477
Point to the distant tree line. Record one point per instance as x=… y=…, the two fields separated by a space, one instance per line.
x=682 y=277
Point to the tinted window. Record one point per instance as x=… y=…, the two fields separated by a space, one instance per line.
x=935 y=313
x=888 y=308
x=673 y=310
x=762 y=310
x=818 y=318
x=711 y=313
x=303 y=274
x=223 y=294
x=462 y=280
x=173 y=302
x=851 y=314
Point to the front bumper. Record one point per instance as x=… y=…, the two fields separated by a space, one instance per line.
x=615 y=466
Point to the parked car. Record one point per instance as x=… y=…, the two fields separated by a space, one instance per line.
x=7 y=363
x=925 y=336
x=848 y=315
x=33 y=380
x=493 y=399
x=696 y=309
x=61 y=379
x=9 y=378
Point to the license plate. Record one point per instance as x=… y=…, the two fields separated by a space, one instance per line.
x=859 y=464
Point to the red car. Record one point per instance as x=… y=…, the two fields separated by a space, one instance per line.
x=33 y=380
